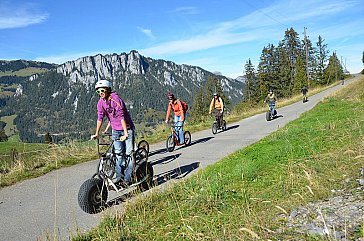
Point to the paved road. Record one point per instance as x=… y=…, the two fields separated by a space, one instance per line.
x=48 y=204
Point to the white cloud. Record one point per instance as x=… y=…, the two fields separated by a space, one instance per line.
x=260 y=24
x=147 y=32
x=17 y=17
x=186 y=10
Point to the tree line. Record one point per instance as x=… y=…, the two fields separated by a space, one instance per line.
x=285 y=68
x=289 y=66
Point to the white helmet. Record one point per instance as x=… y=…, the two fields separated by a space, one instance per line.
x=103 y=83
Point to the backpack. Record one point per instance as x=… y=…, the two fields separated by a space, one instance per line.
x=184 y=105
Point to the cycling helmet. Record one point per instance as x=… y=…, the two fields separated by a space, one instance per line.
x=103 y=83
x=170 y=96
x=216 y=94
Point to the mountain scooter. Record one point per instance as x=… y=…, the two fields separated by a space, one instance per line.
x=173 y=139
x=271 y=113
x=93 y=193
x=216 y=126
x=304 y=99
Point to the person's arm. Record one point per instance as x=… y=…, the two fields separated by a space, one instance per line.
x=168 y=112
x=98 y=127
x=222 y=104
x=107 y=128
x=100 y=117
x=125 y=136
x=211 y=106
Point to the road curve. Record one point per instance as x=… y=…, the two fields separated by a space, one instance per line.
x=47 y=205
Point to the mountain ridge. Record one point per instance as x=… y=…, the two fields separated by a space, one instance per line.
x=55 y=101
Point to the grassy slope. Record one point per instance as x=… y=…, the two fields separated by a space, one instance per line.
x=249 y=194
x=21 y=161
x=24 y=72
x=9 y=128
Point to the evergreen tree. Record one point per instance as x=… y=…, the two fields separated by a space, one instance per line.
x=334 y=70
x=312 y=62
x=250 y=92
x=267 y=71
x=322 y=55
x=199 y=107
x=300 y=75
x=292 y=47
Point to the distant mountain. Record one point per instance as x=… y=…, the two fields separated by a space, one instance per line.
x=240 y=79
x=63 y=100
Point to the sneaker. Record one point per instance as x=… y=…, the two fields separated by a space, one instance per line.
x=121 y=184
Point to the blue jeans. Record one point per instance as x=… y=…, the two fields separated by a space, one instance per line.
x=271 y=107
x=122 y=149
x=179 y=129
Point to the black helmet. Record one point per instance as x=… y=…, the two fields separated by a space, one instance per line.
x=170 y=96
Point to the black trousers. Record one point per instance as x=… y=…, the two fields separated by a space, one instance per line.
x=219 y=116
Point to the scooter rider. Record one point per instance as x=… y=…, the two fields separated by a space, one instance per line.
x=271 y=100
x=113 y=107
x=218 y=105
x=304 y=91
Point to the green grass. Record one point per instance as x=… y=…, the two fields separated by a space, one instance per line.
x=9 y=128
x=249 y=194
x=20 y=161
x=24 y=72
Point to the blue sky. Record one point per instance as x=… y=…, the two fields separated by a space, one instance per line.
x=215 y=35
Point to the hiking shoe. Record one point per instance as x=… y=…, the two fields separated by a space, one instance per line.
x=121 y=184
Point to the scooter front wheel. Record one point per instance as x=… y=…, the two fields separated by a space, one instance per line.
x=170 y=144
x=187 y=136
x=268 y=116
x=214 y=128
x=92 y=196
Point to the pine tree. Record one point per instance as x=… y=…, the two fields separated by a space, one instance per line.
x=334 y=70
x=250 y=92
x=267 y=71
x=312 y=61
x=199 y=107
x=300 y=75
x=292 y=48
x=321 y=57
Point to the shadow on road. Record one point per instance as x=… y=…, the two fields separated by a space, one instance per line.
x=159 y=151
x=166 y=159
x=177 y=173
x=232 y=127
x=201 y=140
x=277 y=116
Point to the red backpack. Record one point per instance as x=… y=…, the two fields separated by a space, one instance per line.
x=184 y=106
